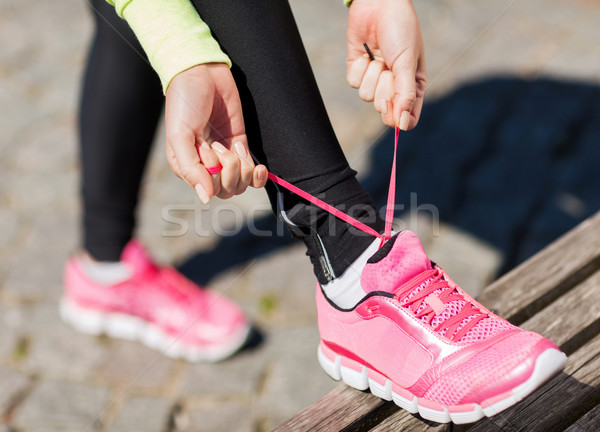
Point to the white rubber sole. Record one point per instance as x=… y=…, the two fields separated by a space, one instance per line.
x=128 y=327
x=547 y=365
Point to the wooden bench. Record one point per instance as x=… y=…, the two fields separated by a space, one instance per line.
x=556 y=293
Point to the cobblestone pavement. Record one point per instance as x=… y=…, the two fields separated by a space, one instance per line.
x=53 y=379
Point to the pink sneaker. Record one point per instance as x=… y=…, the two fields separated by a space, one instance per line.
x=157 y=306
x=418 y=339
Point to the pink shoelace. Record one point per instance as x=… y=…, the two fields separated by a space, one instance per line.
x=389 y=210
x=434 y=280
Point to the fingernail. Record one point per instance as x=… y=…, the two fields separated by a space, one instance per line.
x=205 y=145
x=201 y=193
x=262 y=171
x=384 y=106
x=218 y=147
x=240 y=149
x=404 y=121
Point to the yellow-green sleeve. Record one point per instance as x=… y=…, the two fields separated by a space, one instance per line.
x=172 y=34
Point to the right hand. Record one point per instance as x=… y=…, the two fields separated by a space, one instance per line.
x=205 y=127
x=397 y=78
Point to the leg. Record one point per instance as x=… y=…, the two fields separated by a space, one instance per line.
x=288 y=128
x=411 y=335
x=122 y=101
x=120 y=108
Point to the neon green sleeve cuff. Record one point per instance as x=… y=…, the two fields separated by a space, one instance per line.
x=172 y=34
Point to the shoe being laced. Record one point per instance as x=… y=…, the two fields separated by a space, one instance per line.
x=418 y=339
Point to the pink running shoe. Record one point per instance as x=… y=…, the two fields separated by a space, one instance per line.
x=418 y=339
x=156 y=306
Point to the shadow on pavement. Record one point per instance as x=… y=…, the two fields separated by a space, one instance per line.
x=511 y=161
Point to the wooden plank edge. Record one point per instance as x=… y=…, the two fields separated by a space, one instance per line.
x=526 y=303
x=338 y=409
x=588 y=422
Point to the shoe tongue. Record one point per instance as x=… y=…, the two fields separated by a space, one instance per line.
x=398 y=261
x=136 y=257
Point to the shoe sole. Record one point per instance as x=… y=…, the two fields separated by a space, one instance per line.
x=131 y=328
x=359 y=376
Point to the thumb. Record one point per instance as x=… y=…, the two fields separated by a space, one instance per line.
x=405 y=89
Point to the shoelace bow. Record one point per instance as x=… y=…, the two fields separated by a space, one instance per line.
x=434 y=280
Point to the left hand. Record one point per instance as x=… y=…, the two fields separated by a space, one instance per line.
x=396 y=79
x=205 y=127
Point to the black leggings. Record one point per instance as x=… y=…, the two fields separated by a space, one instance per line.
x=286 y=123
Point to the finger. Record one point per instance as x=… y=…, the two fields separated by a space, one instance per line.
x=259 y=176
x=384 y=91
x=405 y=86
x=416 y=112
x=387 y=115
x=230 y=174
x=356 y=69
x=172 y=161
x=210 y=159
x=189 y=167
x=246 y=166
x=367 y=87
x=421 y=78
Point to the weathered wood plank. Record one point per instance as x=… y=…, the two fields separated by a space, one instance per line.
x=588 y=423
x=373 y=419
x=338 y=409
x=560 y=402
x=404 y=421
x=567 y=322
x=541 y=279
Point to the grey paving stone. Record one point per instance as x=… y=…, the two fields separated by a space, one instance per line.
x=226 y=416
x=9 y=226
x=11 y=322
x=61 y=404
x=240 y=375
x=55 y=428
x=32 y=155
x=132 y=364
x=13 y=382
x=283 y=282
x=295 y=379
x=8 y=341
x=37 y=272
x=148 y=414
x=58 y=351
x=38 y=191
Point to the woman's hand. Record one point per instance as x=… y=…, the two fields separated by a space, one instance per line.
x=205 y=127
x=396 y=79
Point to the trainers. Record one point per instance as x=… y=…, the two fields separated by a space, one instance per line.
x=418 y=339
x=156 y=306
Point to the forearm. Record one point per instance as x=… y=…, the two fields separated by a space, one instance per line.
x=172 y=34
